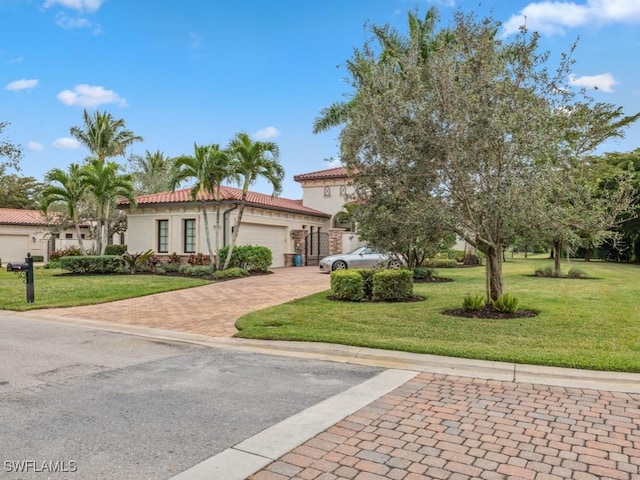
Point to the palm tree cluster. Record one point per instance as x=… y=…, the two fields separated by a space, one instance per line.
x=244 y=161
x=100 y=182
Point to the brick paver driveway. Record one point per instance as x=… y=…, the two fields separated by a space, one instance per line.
x=448 y=427
x=210 y=309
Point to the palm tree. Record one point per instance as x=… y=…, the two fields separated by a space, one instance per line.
x=103 y=135
x=151 y=173
x=208 y=167
x=67 y=188
x=420 y=39
x=251 y=160
x=106 y=184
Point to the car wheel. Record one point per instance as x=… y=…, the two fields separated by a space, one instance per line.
x=395 y=264
x=339 y=265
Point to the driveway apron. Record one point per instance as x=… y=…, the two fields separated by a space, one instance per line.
x=208 y=310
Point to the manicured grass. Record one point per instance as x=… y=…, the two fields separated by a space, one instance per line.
x=591 y=324
x=54 y=289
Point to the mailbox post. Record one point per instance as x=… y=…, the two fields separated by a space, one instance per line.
x=25 y=270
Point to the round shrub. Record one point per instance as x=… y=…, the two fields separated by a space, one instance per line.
x=347 y=285
x=392 y=285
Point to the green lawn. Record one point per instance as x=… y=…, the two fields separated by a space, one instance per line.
x=592 y=324
x=54 y=289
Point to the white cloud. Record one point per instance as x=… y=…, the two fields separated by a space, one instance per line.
x=66 y=143
x=89 y=6
x=266 y=133
x=35 y=146
x=88 y=96
x=604 y=82
x=69 y=23
x=23 y=84
x=553 y=17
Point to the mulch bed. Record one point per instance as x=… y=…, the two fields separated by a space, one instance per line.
x=413 y=298
x=489 y=313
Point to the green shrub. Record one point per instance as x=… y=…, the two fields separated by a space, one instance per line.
x=168 y=268
x=52 y=265
x=115 y=249
x=93 y=264
x=347 y=285
x=38 y=258
x=439 y=263
x=392 y=285
x=453 y=254
x=135 y=260
x=367 y=279
x=473 y=302
x=577 y=273
x=422 y=273
x=473 y=259
x=545 y=272
x=507 y=303
x=234 y=272
x=71 y=251
x=196 y=270
x=253 y=258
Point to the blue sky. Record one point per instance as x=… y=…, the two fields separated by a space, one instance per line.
x=190 y=71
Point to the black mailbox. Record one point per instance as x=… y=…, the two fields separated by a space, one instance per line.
x=17 y=267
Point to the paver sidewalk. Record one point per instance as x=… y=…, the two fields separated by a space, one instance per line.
x=210 y=309
x=447 y=427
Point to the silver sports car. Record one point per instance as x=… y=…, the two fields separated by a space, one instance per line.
x=362 y=257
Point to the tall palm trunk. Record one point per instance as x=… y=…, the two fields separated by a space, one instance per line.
x=234 y=235
x=212 y=258
x=79 y=235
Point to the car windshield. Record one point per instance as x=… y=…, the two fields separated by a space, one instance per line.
x=363 y=251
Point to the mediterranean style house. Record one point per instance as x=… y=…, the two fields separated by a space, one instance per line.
x=173 y=222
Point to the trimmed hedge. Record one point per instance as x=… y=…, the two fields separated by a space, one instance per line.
x=347 y=285
x=249 y=257
x=234 y=272
x=115 y=249
x=440 y=263
x=196 y=270
x=392 y=285
x=93 y=264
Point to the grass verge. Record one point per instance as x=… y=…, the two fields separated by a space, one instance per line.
x=52 y=289
x=590 y=324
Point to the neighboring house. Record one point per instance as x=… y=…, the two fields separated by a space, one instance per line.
x=172 y=222
x=29 y=231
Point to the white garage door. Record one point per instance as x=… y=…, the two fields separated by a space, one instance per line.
x=13 y=248
x=272 y=237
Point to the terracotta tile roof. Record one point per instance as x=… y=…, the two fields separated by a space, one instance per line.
x=338 y=172
x=16 y=216
x=229 y=194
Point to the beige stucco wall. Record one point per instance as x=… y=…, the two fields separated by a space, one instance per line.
x=314 y=196
x=142 y=229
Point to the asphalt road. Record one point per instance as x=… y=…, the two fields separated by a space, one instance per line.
x=113 y=406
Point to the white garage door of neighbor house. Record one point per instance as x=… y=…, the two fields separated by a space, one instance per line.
x=13 y=248
x=272 y=237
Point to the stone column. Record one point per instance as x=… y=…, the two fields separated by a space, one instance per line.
x=335 y=240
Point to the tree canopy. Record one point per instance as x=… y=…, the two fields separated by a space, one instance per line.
x=463 y=121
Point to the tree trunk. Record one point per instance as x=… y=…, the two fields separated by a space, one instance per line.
x=557 y=256
x=234 y=237
x=587 y=253
x=494 y=273
x=79 y=235
x=212 y=258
